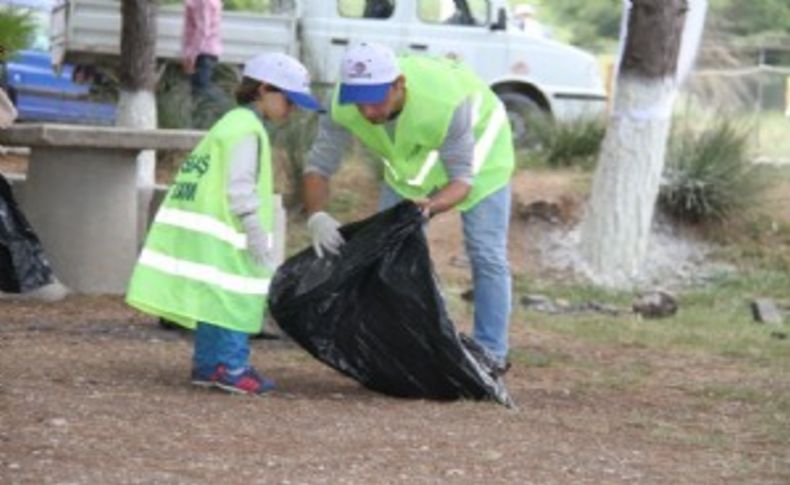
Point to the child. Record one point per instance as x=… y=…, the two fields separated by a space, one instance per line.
x=208 y=258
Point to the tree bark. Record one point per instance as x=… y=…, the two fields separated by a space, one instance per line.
x=616 y=228
x=137 y=98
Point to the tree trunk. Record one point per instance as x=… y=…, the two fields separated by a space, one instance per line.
x=137 y=100
x=615 y=230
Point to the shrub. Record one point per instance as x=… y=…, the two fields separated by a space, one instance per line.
x=576 y=143
x=565 y=144
x=709 y=176
x=16 y=29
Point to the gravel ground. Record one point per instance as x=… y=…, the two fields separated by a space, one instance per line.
x=92 y=392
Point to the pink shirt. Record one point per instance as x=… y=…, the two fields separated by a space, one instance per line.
x=201 y=28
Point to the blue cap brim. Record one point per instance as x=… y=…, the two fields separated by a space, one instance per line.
x=304 y=101
x=363 y=94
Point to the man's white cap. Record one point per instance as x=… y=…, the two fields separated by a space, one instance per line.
x=367 y=72
x=286 y=73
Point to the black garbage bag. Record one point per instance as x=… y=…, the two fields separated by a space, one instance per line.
x=23 y=266
x=375 y=314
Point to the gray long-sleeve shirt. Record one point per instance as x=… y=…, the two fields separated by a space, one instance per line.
x=242 y=185
x=456 y=151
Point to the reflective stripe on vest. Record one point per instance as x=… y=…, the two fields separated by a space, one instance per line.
x=427 y=166
x=205 y=224
x=482 y=145
x=204 y=273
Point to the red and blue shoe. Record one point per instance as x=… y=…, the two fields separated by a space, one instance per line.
x=242 y=381
x=206 y=379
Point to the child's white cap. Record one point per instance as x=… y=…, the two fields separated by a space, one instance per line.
x=285 y=73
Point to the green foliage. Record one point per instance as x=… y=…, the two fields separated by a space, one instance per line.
x=747 y=18
x=591 y=24
x=16 y=30
x=247 y=5
x=709 y=176
x=177 y=108
x=595 y=24
x=568 y=144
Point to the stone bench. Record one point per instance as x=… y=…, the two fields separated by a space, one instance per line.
x=81 y=197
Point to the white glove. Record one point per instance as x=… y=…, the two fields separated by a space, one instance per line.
x=323 y=229
x=259 y=243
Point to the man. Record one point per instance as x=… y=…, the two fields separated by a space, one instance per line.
x=445 y=141
x=524 y=16
x=201 y=42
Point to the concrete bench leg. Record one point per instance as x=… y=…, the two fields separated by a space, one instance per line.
x=82 y=203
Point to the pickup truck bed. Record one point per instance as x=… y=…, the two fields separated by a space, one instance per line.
x=86 y=32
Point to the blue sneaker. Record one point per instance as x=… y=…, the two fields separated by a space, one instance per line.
x=242 y=381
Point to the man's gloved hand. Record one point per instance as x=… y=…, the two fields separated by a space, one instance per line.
x=259 y=243
x=323 y=229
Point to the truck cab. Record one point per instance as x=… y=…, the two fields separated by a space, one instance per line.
x=533 y=75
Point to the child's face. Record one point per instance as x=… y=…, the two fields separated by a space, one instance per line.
x=275 y=105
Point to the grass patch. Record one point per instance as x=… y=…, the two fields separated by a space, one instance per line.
x=532 y=358
x=715 y=320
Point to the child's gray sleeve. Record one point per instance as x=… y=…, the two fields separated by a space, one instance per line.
x=242 y=184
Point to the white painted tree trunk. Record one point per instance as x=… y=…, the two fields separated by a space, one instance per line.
x=137 y=109
x=616 y=228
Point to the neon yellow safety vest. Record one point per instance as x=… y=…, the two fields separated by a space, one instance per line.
x=195 y=265
x=434 y=89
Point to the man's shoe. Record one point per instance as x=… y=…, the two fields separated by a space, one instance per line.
x=243 y=381
x=500 y=368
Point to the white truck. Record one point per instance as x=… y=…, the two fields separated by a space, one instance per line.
x=528 y=72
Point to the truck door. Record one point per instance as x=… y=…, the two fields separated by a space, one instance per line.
x=459 y=29
x=329 y=27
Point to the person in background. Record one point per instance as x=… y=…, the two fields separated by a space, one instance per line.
x=445 y=141
x=209 y=256
x=525 y=19
x=201 y=42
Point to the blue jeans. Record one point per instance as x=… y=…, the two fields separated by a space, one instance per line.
x=204 y=68
x=485 y=237
x=218 y=345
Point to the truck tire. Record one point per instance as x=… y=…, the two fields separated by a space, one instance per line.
x=523 y=113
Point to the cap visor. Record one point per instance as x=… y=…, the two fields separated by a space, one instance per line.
x=303 y=100
x=363 y=94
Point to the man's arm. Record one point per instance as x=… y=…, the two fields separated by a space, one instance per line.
x=189 y=38
x=323 y=160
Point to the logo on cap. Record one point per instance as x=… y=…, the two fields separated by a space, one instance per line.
x=359 y=70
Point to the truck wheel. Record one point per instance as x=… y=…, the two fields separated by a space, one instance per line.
x=526 y=116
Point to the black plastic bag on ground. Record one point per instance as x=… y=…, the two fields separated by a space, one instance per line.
x=23 y=266
x=375 y=314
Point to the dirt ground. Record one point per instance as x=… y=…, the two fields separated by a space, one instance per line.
x=92 y=392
